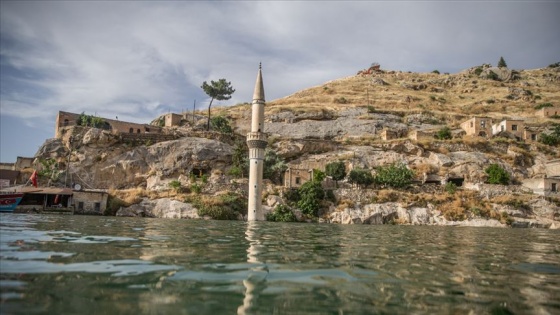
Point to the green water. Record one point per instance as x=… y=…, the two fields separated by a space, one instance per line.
x=108 y=265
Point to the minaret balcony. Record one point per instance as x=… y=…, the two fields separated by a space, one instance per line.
x=256 y=140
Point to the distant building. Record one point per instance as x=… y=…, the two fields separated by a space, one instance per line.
x=515 y=127
x=387 y=134
x=531 y=134
x=546 y=186
x=298 y=174
x=549 y=111
x=90 y=201
x=419 y=135
x=172 y=119
x=67 y=119
x=478 y=126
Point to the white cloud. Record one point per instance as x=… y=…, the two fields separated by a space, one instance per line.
x=140 y=59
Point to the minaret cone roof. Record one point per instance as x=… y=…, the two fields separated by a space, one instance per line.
x=258 y=94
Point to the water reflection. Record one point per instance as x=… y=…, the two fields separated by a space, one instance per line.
x=256 y=280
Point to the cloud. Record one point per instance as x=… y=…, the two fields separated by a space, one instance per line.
x=141 y=59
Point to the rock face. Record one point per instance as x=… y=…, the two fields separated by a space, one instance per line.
x=160 y=208
x=162 y=160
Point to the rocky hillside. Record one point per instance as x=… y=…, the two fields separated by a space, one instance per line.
x=342 y=120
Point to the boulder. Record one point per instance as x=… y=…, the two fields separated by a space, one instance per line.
x=160 y=208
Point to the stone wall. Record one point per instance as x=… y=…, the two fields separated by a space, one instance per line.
x=549 y=111
x=90 y=201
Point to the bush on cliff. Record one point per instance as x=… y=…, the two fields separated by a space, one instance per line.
x=281 y=214
x=497 y=175
x=311 y=194
x=223 y=207
x=396 y=175
x=361 y=177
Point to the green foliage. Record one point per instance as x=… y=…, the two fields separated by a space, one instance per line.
x=554 y=65
x=435 y=71
x=330 y=195
x=240 y=159
x=318 y=175
x=502 y=63
x=91 y=121
x=292 y=195
x=274 y=166
x=217 y=212
x=360 y=177
x=281 y=214
x=450 y=188
x=492 y=76
x=196 y=188
x=444 y=134
x=336 y=170
x=220 y=90
x=478 y=71
x=225 y=207
x=552 y=139
x=235 y=172
x=543 y=105
x=161 y=122
x=175 y=185
x=221 y=124
x=370 y=109
x=204 y=178
x=497 y=175
x=49 y=169
x=311 y=194
x=396 y=175
x=341 y=100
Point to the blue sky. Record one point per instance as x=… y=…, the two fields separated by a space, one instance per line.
x=137 y=60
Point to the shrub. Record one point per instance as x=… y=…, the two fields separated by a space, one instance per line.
x=492 y=76
x=175 y=185
x=394 y=175
x=217 y=213
x=341 y=100
x=360 y=177
x=370 y=109
x=221 y=124
x=204 y=178
x=274 y=166
x=444 y=133
x=450 y=188
x=224 y=207
x=318 y=175
x=543 y=105
x=554 y=65
x=196 y=188
x=435 y=71
x=497 y=175
x=281 y=214
x=478 y=71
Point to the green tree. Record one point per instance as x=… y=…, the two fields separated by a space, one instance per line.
x=240 y=159
x=497 y=175
x=221 y=124
x=310 y=196
x=336 y=170
x=220 y=90
x=502 y=63
x=444 y=133
x=274 y=166
x=360 y=177
x=396 y=175
x=318 y=175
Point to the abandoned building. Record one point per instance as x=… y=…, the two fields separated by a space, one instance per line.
x=515 y=127
x=549 y=111
x=478 y=127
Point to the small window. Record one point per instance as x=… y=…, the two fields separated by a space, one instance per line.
x=137 y=130
x=514 y=127
x=298 y=180
x=97 y=206
x=472 y=124
x=534 y=137
x=81 y=205
x=502 y=128
x=147 y=129
x=66 y=122
x=553 y=187
x=483 y=124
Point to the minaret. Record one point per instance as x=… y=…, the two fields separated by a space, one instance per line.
x=256 y=140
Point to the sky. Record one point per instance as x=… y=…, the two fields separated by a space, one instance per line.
x=140 y=59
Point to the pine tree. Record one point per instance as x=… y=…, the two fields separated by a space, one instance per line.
x=502 y=63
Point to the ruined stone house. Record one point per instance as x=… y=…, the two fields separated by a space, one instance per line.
x=549 y=111
x=478 y=127
x=515 y=127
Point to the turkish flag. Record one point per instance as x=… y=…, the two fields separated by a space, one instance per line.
x=33 y=178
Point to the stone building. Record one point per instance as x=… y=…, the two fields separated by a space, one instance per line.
x=418 y=135
x=549 y=111
x=478 y=126
x=515 y=127
x=531 y=134
x=90 y=201
x=172 y=119
x=66 y=119
x=298 y=174
x=546 y=186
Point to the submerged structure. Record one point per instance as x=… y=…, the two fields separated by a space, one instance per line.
x=256 y=140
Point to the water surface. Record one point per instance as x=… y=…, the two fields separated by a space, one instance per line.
x=109 y=265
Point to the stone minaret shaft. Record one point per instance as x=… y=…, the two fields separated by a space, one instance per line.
x=256 y=140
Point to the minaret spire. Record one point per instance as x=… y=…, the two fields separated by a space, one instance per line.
x=256 y=140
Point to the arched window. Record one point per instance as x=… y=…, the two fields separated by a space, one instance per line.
x=66 y=122
x=137 y=130
x=131 y=130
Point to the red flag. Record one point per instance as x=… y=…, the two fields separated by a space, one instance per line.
x=33 y=178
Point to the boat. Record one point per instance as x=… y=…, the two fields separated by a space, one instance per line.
x=9 y=201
